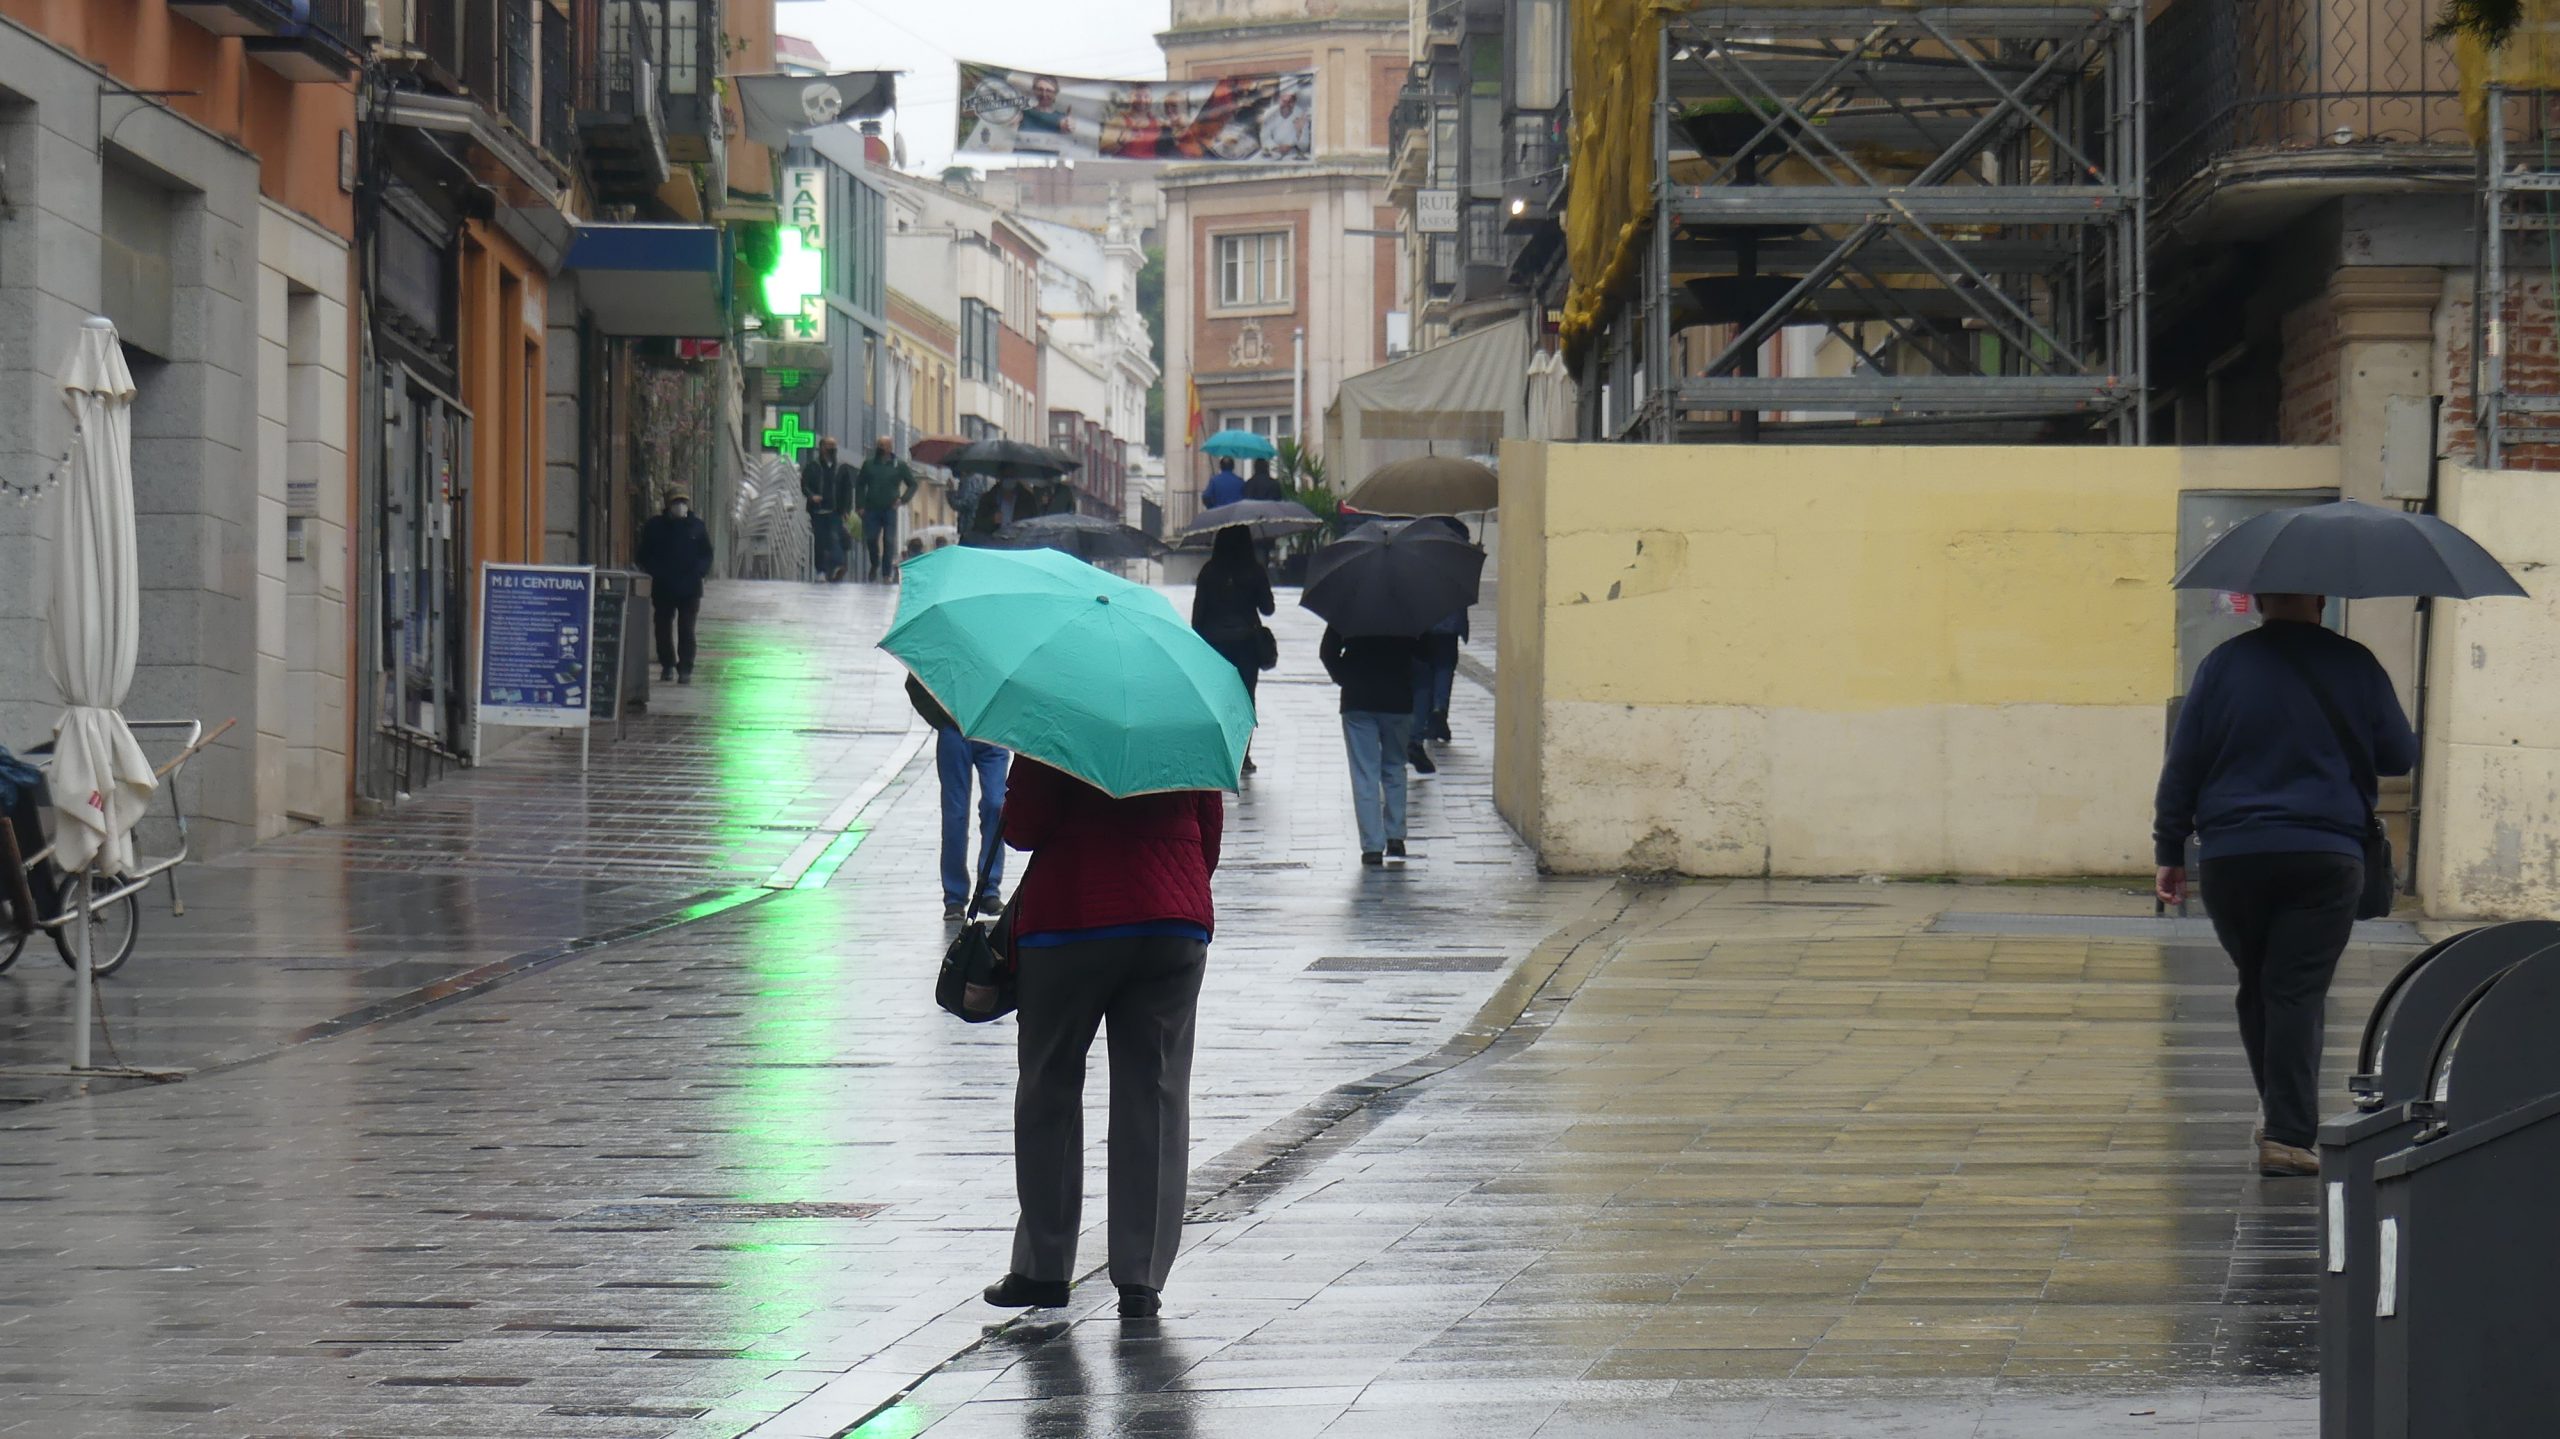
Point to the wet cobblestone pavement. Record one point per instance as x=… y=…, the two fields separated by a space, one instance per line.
x=660 y=1135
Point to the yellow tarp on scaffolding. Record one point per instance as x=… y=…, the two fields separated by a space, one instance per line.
x=1616 y=58
x=2530 y=60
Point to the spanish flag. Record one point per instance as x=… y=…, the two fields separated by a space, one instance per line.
x=1197 y=428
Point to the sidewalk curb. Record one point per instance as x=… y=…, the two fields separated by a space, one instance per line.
x=1526 y=1003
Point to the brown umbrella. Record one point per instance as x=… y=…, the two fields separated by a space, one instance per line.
x=1427 y=485
x=935 y=449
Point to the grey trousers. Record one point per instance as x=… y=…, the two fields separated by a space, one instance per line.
x=1148 y=988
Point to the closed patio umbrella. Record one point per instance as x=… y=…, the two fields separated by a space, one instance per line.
x=101 y=781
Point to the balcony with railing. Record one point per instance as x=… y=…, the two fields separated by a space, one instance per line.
x=620 y=117
x=311 y=42
x=1409 y=136
x=2244 y=90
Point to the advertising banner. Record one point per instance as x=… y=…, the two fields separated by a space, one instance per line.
x=1266 y=119
x=537 y=640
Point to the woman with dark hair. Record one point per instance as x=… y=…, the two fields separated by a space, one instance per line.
x=1227 y=608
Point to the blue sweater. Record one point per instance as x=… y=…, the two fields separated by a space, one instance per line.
x=2255 y=767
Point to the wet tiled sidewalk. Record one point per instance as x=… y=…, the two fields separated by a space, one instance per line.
x=729 y=1173
x=1759 y=1160
x=719 y=785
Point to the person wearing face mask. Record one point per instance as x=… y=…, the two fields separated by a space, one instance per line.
x=675 y=550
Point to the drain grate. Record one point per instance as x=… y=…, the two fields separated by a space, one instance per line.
x=711 y=1213
x=2125 y=926
x=1409 y=963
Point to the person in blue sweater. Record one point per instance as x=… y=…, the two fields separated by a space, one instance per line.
x=2257 y=771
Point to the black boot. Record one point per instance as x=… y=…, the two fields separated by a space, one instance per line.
x=1419 y=757
x=1137 y=1301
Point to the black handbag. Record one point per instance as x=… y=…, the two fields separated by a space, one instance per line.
x=976 y=982
x=1266 y=648
x=2381 y=877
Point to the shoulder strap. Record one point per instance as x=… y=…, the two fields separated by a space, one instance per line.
x=2359 y=759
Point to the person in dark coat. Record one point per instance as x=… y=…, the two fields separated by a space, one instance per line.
x=827 y=484
x=1262 y=484
x=1435 y=679
x=2258 y=772
x=1112 y=924
x=1376 y=676
x=1227 y=605
x=675 y=550
x=881 y=488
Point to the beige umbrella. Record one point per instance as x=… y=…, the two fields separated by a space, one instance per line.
x=1427 y=485
x=101 y=781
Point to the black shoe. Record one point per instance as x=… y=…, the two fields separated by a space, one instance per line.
x=666 y=672
x=684 y=676
x=1016 y=1292
x=1249 y=765
x=1372 y=858
x=1440 y=726
x=989 y=905
x=954 y=913
x=1395 y=849
x=1420 y=759
x=1137 y=1301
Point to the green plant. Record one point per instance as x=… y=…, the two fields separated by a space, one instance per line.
x=1302 y=472
x=2488 y=21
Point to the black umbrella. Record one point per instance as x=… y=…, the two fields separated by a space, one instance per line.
x=2348 y=550
x=1397 y=577
x=1266 y=519
x=1009 y=460
x=1087 y=537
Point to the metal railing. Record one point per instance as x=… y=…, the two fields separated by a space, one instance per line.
x=2252 y=76
x=559 y=136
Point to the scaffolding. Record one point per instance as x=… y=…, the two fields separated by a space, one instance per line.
x=1944 y=204
x=2520 y=212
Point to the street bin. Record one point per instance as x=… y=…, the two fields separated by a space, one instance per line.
x=2392 y=1068
x=621 y=646
x=2467 y=1258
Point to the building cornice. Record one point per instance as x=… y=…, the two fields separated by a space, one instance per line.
x=1206 y=176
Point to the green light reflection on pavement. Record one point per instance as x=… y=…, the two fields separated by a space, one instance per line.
x=899 y=1421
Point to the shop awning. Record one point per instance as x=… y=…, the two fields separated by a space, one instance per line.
x=1461 y=398
x=657 y=281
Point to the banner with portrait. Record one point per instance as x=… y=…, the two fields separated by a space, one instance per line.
x=1240 y=119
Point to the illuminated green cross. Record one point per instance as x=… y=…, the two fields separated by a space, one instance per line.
x=789 y=438
x=797 y=276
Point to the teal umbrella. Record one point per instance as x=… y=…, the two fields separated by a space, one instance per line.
x=1241 y=445
x=1049 y=657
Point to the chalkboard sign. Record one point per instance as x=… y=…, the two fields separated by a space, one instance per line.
x=613 y=603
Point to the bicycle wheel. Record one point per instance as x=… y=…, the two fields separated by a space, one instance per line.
x=112 y=928
x=12 y=943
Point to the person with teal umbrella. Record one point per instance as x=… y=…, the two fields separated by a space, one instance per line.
x=1125 y=725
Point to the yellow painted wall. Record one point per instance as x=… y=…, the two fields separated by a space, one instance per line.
x=2489 y=826
x=1824 y=660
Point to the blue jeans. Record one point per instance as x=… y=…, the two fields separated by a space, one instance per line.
x=957 y=758
x=1377 y=743
x=827 y=543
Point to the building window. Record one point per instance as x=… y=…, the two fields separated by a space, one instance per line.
x=1253 y=270
x=1444 y=147
x=1537 y=54
x=979 y=326
x=1274 y=428
x=1484 y=235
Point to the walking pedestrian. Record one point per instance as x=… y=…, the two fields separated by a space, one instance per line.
x=1112 y=925
x=2274 y=767
x=1224 y=488
x=1376 y=676
x=827 y=483
x=881 y=488
x=1262 y=485
x=957 y=760
x=1231 y=596
x=675 y=551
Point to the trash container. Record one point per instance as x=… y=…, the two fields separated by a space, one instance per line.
x=622 y=645
x=2467 y=1259
x=2392 y=1067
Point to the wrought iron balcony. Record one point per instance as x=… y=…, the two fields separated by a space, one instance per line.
x=624 y=131
x=306 y=41
x=2235 y=80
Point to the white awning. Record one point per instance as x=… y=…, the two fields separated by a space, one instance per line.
x=1462 y=398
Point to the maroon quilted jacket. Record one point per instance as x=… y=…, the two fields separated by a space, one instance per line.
x=1099 y=862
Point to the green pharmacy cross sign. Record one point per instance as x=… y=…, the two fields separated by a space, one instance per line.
x=789 y=438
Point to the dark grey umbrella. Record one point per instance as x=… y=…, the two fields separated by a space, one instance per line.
x=2348 y=550
x=1395 y=577
x=1009 y=460
x=1087 y=537
x=1266 y=519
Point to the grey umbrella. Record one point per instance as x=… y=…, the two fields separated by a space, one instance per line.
x=1265 y=519
x=1087 y=537
x=1394 y=577
x=2348 y=550
x=1009 y=460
